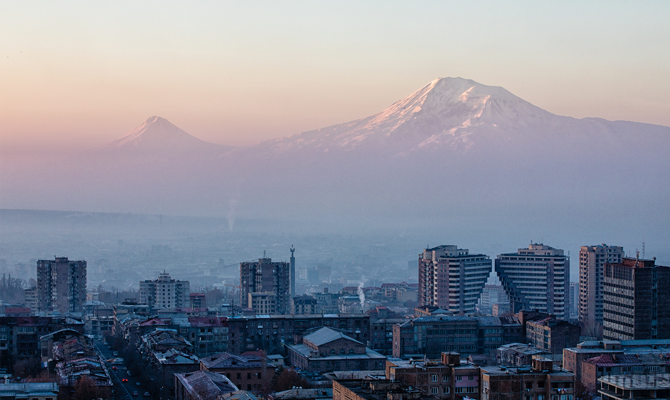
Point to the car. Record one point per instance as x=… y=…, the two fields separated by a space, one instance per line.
x=146 y=394
x=135 y=393
x=124 y=380
x=138 y=383
x=114 y=367
x=116 y=353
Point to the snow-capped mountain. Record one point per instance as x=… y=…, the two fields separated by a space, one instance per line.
x=158 y=136
x=453 y=150
x=444 y=112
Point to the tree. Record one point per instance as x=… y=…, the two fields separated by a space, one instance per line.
x=289 y=378
x=581 y=393
x=86 y=389
x=27 y=367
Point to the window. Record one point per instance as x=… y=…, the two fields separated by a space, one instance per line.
x=445 y=378
x=445 y=390
x=433 y=378
x=459 y=378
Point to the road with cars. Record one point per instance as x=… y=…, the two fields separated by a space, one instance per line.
x=129 y=386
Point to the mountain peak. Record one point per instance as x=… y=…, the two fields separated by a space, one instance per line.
x=445 y=111
x=158 y=136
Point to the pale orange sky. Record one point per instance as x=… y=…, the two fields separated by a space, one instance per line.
x=80 y=74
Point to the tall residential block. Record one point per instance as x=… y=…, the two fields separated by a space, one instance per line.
x=592 y=260
x=267 y=284
x=636 y=302
x=536 y=278
x=165 y=292
x=451 y=278
x=61 y=285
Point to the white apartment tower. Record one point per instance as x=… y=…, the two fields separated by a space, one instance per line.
x=452 y=279
x=165 y=292
x=536 y=278
x=592 y=260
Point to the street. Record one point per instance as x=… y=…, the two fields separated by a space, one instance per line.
x=125 y=388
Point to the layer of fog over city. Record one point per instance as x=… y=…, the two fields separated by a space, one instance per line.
x=456 y=162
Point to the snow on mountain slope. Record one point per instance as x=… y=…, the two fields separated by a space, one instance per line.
x=445 y=111
x=158 y=136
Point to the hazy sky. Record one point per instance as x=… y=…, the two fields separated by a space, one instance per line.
x=243 y=72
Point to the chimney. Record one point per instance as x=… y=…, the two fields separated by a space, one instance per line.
x=542 y=364
x=451 y=358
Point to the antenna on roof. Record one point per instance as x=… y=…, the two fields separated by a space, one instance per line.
x=643 y=248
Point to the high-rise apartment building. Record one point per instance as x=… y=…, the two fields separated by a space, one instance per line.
x=536 y=278
x=61 y=285
x=165 y=292
x=636 y=302
x=269 y=278
x=592 y=260
x=452 y=279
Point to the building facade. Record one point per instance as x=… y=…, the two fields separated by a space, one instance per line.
x=592 y=260
x=247 y=372
x=165 y=292
x=635 y=304
x=328 y=350
x=265 y=276
x=304 y=305
x=538 y=381
x=61 y=285
x=445 y=378
x=467 y=335
x=452 y=279
x=536 y=278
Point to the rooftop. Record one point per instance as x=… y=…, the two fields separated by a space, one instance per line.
x=205 y=385
x=638 y=382
x=497 y=370
x=307 y=352
x=325 y=393
x=327 y=335
x=227 y=360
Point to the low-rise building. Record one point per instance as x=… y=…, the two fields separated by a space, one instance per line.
x=32 y=391
x=375 y=390
x=166 y=365
x=304 y=305
x=71 y=355
x=248 y=372
x=518 y=354
x=161 y=340
x=466 y=335
x=328 y=350
x=634 y=387
x=200 y=385
x=444 y=379
x=20 y=336
x=547 y=333
x=537 y=382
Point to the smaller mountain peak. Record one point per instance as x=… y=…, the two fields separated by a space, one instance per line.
x=155 y=119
